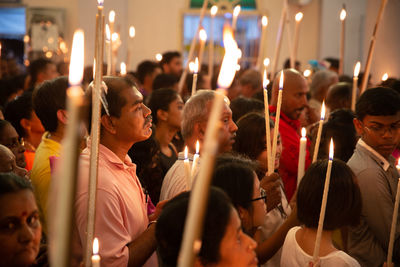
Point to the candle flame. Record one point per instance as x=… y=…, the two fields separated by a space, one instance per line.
x=158 y=57
x=191 y=66
x=281 y=81
x=111 y=16
x=323 y=111
x=236 y=11
x=186 y=153
x=385 y=76
x=26 y=38
x=203 y=35
x=77 y=57
x=100 y=2
x=108 y=35
x=214 y=10
x=197 y=147
x=95 y=246
x=229 y=62
x=343 y=14
x=123 y=69
x=237 y=67
x=132 y=31
x=265 y=80
x=307 y=73
x=266 y=62
x=94 y=67
x=114 y=36
x=303 y=132
x=357 y=69
x=331 y=150
x=299 y=16
x=264 y=21
x=398 y=164
x=196 y=65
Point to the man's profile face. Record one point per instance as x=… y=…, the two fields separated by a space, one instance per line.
x=294 y=97
x=228 y=130
x=175 y=66
x=382 y=133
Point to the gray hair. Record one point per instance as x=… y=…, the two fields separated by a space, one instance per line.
x=251 y=77
x=321 y=79
x=195 y=111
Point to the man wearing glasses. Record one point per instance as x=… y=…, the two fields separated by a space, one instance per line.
x=378 y=123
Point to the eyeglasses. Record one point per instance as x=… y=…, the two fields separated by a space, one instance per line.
x=381 y=129
x=263 y=196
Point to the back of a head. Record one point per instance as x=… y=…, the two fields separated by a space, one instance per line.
x=48 y=98
x=322 y=79
x=164 y=80
x=241 y=106
x=195 y=111
x=334 y=62
x=339 y=96
x=251 y=77
x=18 y=109
x=36 y=67
x=168 y=56
x=343 y=206
x=12 y=183
x=145 y=68
x=170 y=225
x=378 y=101
x=160 y=99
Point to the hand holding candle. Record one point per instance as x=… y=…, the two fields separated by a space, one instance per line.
x=355 y=86
x=302 y=156
x=318 y=139
x=323 y=205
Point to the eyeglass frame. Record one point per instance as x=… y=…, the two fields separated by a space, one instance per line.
x=392 y=128
x=263 y=196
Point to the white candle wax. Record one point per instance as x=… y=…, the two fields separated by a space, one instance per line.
x=270 y=164
x=187 y=170
x=302 y=156
x=318 y=140
x=196 y=158
x=277 y=117
x=355 y=86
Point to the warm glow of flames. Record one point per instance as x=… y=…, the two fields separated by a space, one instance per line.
x=123 y=69
x=307 y=73
x=26 y=39
x=214 y=10
x=108 y=34
x=63 y=47
x=236 y=11
x=265 y=80
x=132 y=31
x=303 y=132
x=281 y=81
x=239 y=53
x=385 y=76
x=331 y=149
x=96 y=246
x=299 y=16
x=203 y=35
x=115 y=36
x=197 y=147
x=191 y=66
x=237 y=67
x=186 y=153
x=343 y=14
x=196 y=65
x=111 y=16
x=323 y=111
x=77 y=57
x=398 y=164
x=357 y=69
x=264 y=21
x=100 y=2
x=266 y=62
x=158 y=57
x=229 y=62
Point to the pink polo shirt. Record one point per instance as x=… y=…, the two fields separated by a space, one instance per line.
x=121 y=208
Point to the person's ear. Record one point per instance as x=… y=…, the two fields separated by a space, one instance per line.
x=162 y=115
x=62 y=116
x=199 y=130
x=358 y=125
x=243 y=215
x=107 y=123
x=26 y=124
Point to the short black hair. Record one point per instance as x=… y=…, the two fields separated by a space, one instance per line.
x=12 y=183
x=36 y=67
x=48 y=98
x=164 y=80
x=170 y=225
x=18 y=109
x=240 y=106
x=333 y=61
x=378 y=101
x=168 y=56
x=160 y=99
x=343 y=207
x=145 y=68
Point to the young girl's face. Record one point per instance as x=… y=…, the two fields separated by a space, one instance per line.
x=263 y=157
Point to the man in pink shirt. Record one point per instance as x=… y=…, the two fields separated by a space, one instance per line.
x=125 y=232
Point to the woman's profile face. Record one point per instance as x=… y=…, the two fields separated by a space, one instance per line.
x=263 y=156
x=236 y=248
x=20 y=229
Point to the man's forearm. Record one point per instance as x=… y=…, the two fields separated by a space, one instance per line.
x=142 y=247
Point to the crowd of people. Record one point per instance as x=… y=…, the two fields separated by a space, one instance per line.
x=253 y=218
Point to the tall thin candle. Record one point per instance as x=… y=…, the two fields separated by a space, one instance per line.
x=355 y=86
x=108 y=49
x=318 y=139
x=203 y=40
x=196 y=158
x=96 y=257
x=277 y=117
x=235 y=15
x=187 y=170
x=111 y=20
x=261 y=48
x=298 y=19
x=323 y=205
x=342 y=37
x=213 y=11
x=302 y=156
x=270 y=164
x=195 y=69
x=132 y=33
x=278 y=42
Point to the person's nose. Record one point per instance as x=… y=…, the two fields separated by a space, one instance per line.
x=233 y=127
x=25 y=234
x=146 y=110
x=251 y=244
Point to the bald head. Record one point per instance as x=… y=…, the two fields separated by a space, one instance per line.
x=294 y=94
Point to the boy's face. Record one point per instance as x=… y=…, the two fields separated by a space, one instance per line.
x=382 y=133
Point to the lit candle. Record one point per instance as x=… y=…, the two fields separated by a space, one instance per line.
x=270 y=164
x=123 y=69
x=323 y=205
x=96 y=256
x=385 y=76
x=108 y=49
x=235 y=15
x=318 y=140
x=302 y=156
x=264 y=23
x=194 y=68
x=342 y=34
x=69 y=157
x=203 y=40
x=158 y=57
x=277 y=117
x=111 y=20
x=298 y=18
x=196 y=158
x=132 y=33
x=116 y=42
x=213 y=11
x=266 y=64
x=355 y=86
x=187 y=170
x=278 y=42
x=394 y=221
x=199 y=194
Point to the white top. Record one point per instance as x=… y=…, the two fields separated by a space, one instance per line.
x=293 y=255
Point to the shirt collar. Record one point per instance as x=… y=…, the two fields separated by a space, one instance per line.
x=384 y=163
x=294 y=123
